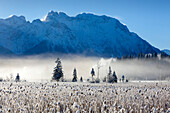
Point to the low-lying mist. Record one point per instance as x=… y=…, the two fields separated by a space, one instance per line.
x=41 y=68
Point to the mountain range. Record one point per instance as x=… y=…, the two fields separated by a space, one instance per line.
x=85 y=33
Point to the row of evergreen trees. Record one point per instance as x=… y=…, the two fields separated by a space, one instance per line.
x=58 y=75
x=110 y=78
x=143 y=55
x=75 y=76
x=11 y=79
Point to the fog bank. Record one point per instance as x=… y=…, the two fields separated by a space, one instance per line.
x=37 y=67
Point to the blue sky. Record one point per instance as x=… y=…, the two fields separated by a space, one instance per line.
x=150 y=19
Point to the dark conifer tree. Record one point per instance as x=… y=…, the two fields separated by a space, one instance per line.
x=123 y=78
x=109 y=76
x=92 y=73
x=81 y=79
x=110 y=71
x=17 y=79
x=58 y=73
x=114 y=77
x=74 y=75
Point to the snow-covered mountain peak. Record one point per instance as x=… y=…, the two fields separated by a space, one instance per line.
x=103 y=19
x=53 y=16
x=15 y=18
x=37 y=21
x=13 y=21
x=90 y=17
x=86 y=15
x=62 y=14
x=95 y=17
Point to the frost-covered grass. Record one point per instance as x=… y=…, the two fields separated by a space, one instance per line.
x=84 y=97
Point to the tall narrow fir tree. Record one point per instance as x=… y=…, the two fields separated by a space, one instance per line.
x=74 y=75
x=58 y=73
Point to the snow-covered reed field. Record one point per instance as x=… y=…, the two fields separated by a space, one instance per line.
x=68 y=97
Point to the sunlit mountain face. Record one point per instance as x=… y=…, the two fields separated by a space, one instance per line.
x=85 y=33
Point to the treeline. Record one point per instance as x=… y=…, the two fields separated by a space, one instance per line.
x=58 y=73
x=11 y=79
x=109 y=78
x=143 y=55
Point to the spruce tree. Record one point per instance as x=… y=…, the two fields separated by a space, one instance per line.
x=58 y=73
x=92 y=73
x=123 y=78
x=108 y=78
x=17 y=79
x=74 y=75
x=81 y=79
x=114 y=77
x=110 y=71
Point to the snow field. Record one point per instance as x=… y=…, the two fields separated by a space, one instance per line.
x=68 y=97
